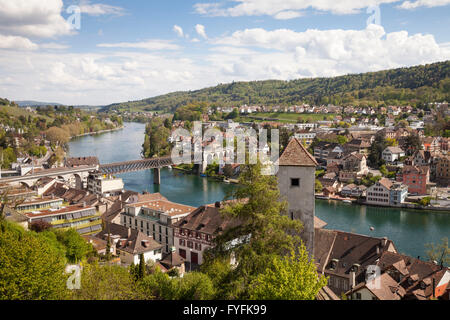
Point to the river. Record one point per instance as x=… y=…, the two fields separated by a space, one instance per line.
x=409 y=229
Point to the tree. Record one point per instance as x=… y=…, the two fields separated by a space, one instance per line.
x=141 y=273
x=31 y=267
x=291 y=277
x=195 y=286
x=108 y=282
x=76 y=247
x=318 y=186
x=263 y=232
x=57 y=136
x=439 y=252
x=413 y=143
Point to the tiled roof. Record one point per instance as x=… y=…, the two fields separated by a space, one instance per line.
x=172 y=259
x=82 y=161
x=135 y=239
x=206 y=219
x=296 y=154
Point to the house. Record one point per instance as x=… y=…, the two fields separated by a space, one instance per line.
x=84 y=219
x=355 y=162
x=104 y=185
x=156 y=218
x=358 y=145
x=344 y=257
x=195 y=233
x=421 y=280
x=379 y=193
x=416 y=178
x=398 y=194
x=431 y=144
x=352 y=190
x=443 y=170
x=323 y=149
x=382 y=287
x=129 y=244
x=392 y=154
x=173 y=260
x=421 y=158
x=81 y=161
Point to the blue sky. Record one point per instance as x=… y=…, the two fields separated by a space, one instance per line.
x=128 y=50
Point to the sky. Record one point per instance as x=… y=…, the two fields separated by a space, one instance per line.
x=96 y=52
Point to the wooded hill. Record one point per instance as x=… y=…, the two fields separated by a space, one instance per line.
x=413 y=85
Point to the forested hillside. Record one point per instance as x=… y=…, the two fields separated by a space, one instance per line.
x=412 y=85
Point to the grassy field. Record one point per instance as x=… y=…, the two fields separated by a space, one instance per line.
x=291 y=117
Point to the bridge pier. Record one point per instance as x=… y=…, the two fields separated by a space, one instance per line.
x=157 y=176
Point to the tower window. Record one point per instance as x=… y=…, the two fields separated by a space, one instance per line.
x=295 y=182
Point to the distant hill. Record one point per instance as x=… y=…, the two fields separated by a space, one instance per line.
x=397 y=86
x=31 y=103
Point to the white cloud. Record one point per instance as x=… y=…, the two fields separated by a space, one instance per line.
x=200 y=29
x=332 y=52
x=97 y=9
x=250 y=54
x=53 y=46
x=148 y=45
x=423 y=3
x=33 y=18
x=178 y=30
x=276 y=7
x=16 y=43
x=288 y=14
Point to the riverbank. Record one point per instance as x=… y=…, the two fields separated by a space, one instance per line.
x=362 y=202
x=216 y=178
x=97 y=132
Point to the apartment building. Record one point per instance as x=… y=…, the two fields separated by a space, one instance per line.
x=84 y=219
x=155 y=218
x=104 y=185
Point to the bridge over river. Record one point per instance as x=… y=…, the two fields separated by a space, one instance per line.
x=80 y=173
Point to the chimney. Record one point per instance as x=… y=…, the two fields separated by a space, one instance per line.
x=129 y=232
x=352 y=279
x=434 y=288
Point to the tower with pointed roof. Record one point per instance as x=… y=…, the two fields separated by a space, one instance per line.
x=296 y=181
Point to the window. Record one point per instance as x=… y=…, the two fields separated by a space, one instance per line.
x=292 y=215
x=295 y=182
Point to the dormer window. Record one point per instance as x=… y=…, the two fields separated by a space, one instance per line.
x=334 y=264
x=355 y=267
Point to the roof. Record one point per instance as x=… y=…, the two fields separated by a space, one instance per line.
x=136 y=241
x=168 y=207
x=82 y=161
x=348 y=248
x=418 y=274
x=383 y=287
x=385 y=182
x=206 y=219
x=415 y=169
x=319 y=223
x=394 y=150
x=113 y=211
x=296 y=154
x=172 y=259
x=326 y=293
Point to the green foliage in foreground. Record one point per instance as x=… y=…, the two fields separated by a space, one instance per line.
x=31 y=268
x=291 y=277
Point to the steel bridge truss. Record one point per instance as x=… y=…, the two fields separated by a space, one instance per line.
x=135 y=165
